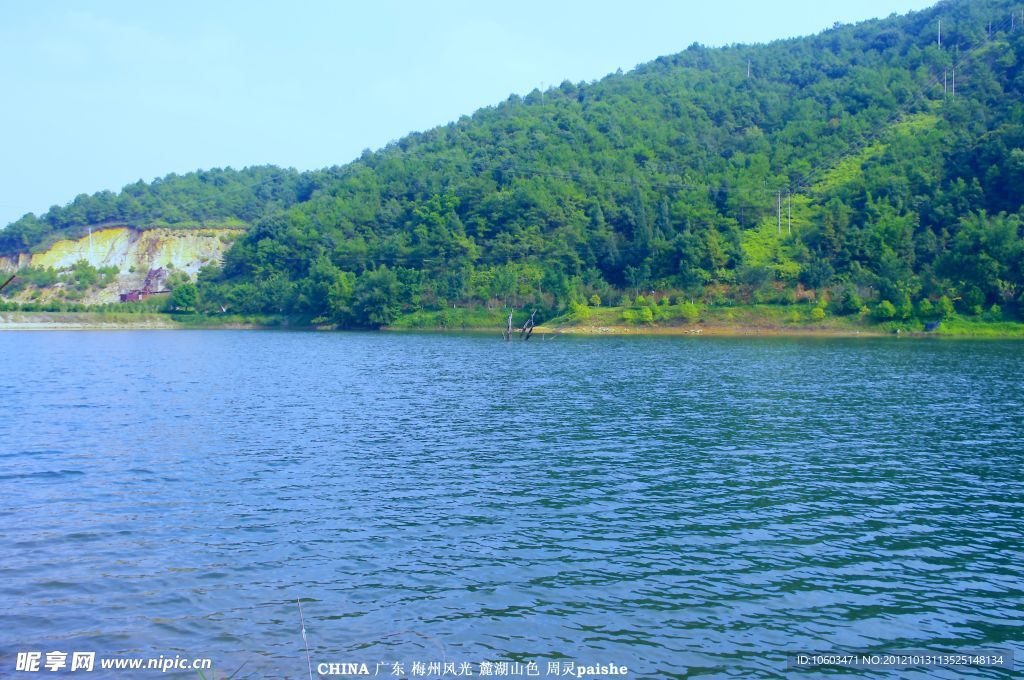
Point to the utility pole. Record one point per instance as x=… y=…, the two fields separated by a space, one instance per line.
x=748 y=68
x=779 y=231
x=789 y=213
x=954 y=81
x=945 y=82
x=940 y=34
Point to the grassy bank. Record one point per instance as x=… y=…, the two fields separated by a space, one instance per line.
x=30 y=321
x=457 y=318
x=703 y=320
x=765 y=320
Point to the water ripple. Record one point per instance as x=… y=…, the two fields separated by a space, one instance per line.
x=681 y=506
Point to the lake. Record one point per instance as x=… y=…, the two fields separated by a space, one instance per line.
x=680 y=506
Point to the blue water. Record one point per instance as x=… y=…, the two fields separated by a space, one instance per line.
x=681 y=506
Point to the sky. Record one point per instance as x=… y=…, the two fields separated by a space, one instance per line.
x=96 y=95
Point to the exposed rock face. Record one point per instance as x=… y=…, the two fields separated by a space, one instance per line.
x=134 y=252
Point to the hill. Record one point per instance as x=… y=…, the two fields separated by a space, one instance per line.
x=867 y=167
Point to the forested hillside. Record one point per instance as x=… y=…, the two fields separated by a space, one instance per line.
x=841 y=167
x=208 y=198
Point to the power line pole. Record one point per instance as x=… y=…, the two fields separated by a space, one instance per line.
x=789 y=213
x=945 y=82
x=779 y=231
x=748 y=68
x=940 y=34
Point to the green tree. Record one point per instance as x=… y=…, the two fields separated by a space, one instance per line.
x=376 y=298
x=83 y=275
x=184 y=297
x=945 y=307
x=885 y=310
x=849 y=301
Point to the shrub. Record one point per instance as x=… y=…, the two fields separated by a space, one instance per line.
x=689 y=312
x=579 y=311
x=945 y=307
x=38 y=276
x=108 y=274
x=885 y=310
x=925 y=308
x=451 y=318
x=849 y=302
x=82 y=275
x=818 y=314
x=595 y=300
x=905 y=309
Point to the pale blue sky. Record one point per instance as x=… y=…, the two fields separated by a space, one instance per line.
x=100 y=94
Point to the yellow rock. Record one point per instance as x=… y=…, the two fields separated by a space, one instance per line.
x=134 y=252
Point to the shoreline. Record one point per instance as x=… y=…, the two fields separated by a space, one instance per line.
x=722 y=330
x=100 y=321
x=114 y=321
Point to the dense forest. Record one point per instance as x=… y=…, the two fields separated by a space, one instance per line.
x=866 y=165
x=205 y=198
